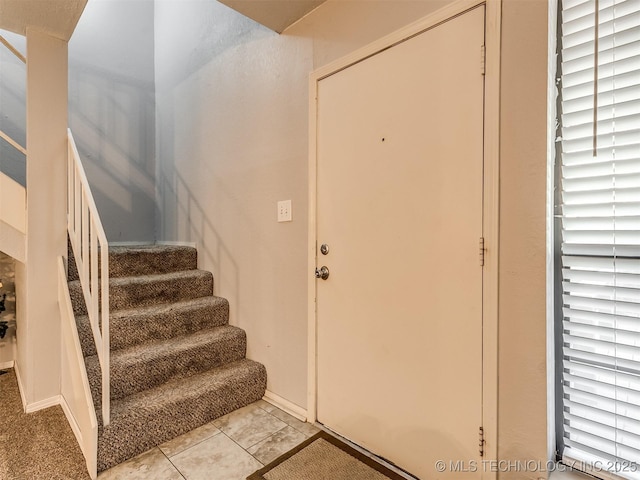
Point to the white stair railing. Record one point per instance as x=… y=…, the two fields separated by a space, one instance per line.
x=89 y=242
x=22 y=58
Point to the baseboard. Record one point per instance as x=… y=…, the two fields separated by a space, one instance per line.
x=178 y=244
x=42 y=404
x=129 y=244
x=5 y=365
x=20 y=387
x=168 y=244
x=35 y=406
x=284 y=404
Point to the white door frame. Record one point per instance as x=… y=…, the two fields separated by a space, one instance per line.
x=490 y=209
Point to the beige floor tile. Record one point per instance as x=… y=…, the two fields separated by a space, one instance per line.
x=149 y=465
x=249 y=425
x=308 y=429
x=178 y=444
x=216 y=458
x=280 y=442
x=264 y=405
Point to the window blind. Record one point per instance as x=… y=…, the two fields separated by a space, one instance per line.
x=599 y=188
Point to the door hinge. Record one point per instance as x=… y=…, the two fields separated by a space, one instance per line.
x=481 y=441
x=482 y=250
x=482 y=60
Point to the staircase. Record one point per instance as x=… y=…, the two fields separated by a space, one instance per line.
x=13 y=218
x=176 y=363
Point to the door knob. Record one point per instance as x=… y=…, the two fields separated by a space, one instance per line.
x=322 y=272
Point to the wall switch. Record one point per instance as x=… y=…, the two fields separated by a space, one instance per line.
x=284 y=211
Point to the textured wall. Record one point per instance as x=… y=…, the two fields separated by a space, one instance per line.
x=522 y=309
x=112 y=113
x=231 y=118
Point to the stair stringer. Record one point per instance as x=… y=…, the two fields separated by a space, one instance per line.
x=75 y=393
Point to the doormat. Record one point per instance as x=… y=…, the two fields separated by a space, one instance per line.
x=324 y=457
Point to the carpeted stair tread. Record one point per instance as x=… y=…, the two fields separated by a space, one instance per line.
x=150 y=259
x=141 y=325
x=144 y=290
x=176 y=364
x=125 y=261
x=144 y=420
x=146 y=366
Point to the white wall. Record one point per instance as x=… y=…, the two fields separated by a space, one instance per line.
x=112 y=113
x=232 y=140
x=13 y=107
x=522 y=308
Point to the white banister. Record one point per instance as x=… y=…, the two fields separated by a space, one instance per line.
x=13 y=49
x=89 y=241
x=23 y=59
x=13 y=143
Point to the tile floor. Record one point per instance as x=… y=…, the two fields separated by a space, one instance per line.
x=229 y=448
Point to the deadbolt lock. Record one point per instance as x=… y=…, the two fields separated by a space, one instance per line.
x=324 y=249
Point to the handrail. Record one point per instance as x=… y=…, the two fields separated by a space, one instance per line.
x=88 y=240
x=23 y=59
x=13 y=49
x=13 y=143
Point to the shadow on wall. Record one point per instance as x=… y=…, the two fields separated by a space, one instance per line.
x=206 y=33
x=112 y=120
x=112 y=113
x=227 y=118
x=192 y=222
x=7 y=278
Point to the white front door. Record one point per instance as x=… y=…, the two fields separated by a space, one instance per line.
x=399 y=205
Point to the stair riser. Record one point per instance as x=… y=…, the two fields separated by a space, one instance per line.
x=149 y=373
x=124 y=295
x=126 y=263
x=146 y=428
x=137 y=328
x=176 y=364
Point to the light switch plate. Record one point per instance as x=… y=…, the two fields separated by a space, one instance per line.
x=284 y=211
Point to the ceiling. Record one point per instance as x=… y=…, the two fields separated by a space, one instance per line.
x=57 y=18
x=274 y=14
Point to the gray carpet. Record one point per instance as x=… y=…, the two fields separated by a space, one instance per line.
x=324 y=457
x=176 y=364
x=35 y=446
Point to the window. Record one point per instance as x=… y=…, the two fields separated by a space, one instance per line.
x=598 y=236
